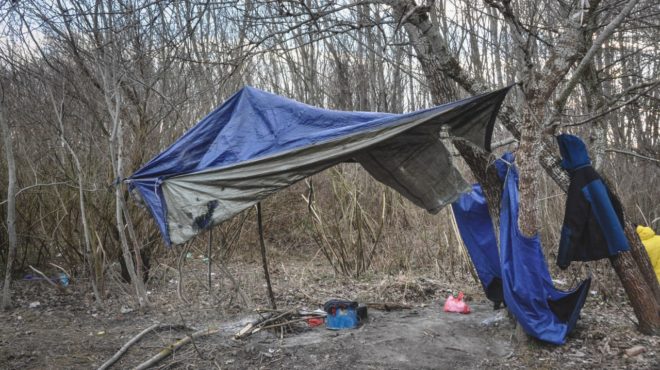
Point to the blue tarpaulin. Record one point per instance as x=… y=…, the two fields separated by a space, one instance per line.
x=543 y=311
x=518 y=272
x=257 y=143
x=476 y=228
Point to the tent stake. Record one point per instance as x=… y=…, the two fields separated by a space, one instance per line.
x=208 y=255
x=263 y=257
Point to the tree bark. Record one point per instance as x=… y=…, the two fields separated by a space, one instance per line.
x=638 y=292
x=480 y=163
x=11 y=208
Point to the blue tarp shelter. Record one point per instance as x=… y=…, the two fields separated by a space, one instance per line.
x=257 y=143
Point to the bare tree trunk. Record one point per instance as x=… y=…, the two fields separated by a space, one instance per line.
x=527 y=161
x=11 y=208
x=83 y=215
x=119 y=207
x=638 y=292
x=113 y=104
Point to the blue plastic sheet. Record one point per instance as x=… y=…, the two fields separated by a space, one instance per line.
x=257 y=143
x=543 y=311
x=476 y=228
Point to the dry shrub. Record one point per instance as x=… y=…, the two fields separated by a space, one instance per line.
x=347 y=230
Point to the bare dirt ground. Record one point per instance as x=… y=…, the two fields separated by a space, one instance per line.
x=66 y=331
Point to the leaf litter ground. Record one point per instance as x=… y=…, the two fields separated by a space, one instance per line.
x=65 y=331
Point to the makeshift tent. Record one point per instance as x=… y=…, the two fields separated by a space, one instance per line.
x=542 y=310
x=257 y=143
x=476 y=229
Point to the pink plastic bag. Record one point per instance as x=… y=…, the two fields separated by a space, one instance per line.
x=456 y=304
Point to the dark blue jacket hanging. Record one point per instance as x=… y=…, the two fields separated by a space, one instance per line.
x=543 y=311
x=593 y=222
x=476 y=229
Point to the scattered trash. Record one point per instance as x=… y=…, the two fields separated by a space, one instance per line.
x=61 y=278
x=35 y=304
x=499 y=317
x=189 y=255
x=313 y=322
x=341 y=314
x=64 y=279
x=456 y=304
x=635 y=350
x=125 y=309
x=559 y=281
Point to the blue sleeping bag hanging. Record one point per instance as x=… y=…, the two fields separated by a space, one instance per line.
x=476 y=229
x=543 y=311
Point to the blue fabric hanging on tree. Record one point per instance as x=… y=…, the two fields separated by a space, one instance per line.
x=593 y=221
x=543 y=311
x=476 y=228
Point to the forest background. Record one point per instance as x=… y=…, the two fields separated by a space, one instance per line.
x=91 y=90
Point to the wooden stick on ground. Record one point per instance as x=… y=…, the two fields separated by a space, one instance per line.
x=256 y=326
x=134 y=340
x=208 y=255
x=165 y=352
x=48 y=280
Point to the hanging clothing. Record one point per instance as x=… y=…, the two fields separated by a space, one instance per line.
x=652 y=245
x=543 y=311
x=593 y=220
x=476 y=229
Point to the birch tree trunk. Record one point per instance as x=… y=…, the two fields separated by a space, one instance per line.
x=113 y=104
x=117 y=155
x=11 y=208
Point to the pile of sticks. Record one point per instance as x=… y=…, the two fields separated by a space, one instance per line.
x=284 y=321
